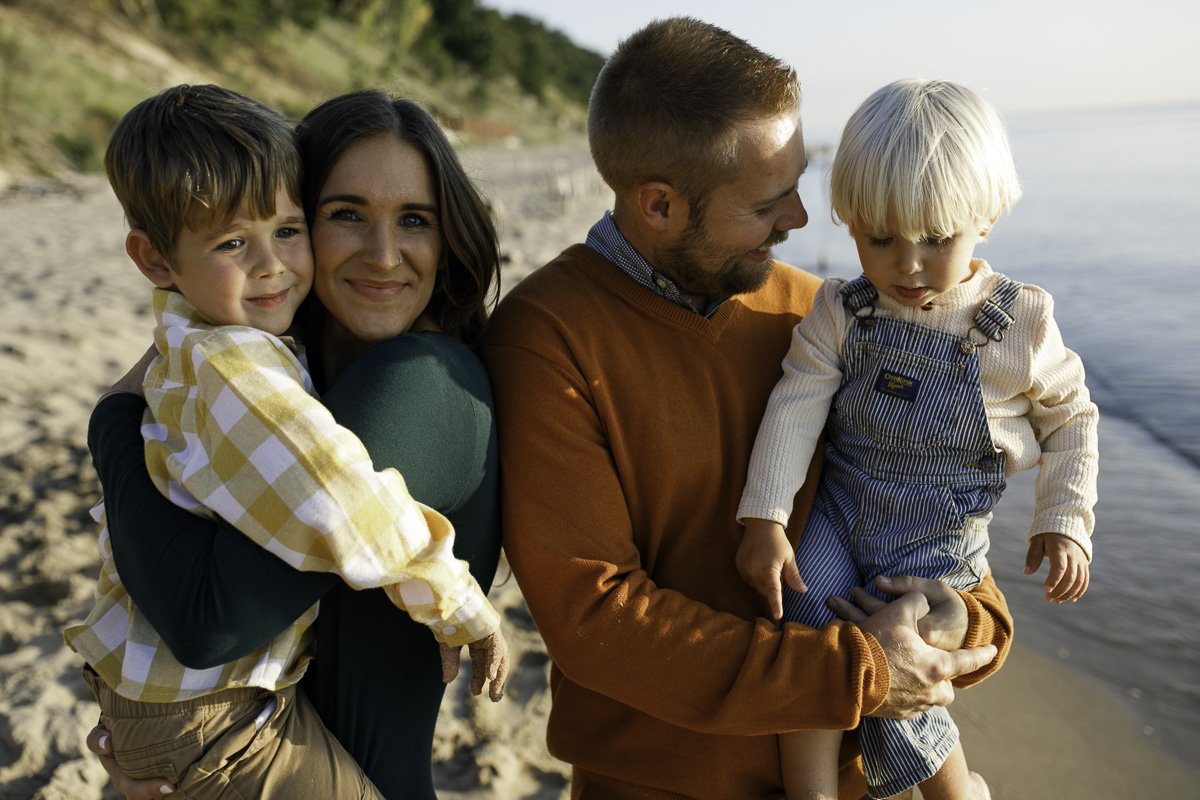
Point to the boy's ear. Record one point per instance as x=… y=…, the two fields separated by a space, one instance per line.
x=149 y=260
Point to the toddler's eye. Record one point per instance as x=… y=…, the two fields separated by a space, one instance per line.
x=880 y=242
x=230 y=245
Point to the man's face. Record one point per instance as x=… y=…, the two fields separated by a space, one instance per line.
x=727 y=249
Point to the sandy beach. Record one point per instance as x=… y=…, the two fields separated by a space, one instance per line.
x=74 y=315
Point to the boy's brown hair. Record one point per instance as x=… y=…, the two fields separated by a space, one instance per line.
x=191 y=154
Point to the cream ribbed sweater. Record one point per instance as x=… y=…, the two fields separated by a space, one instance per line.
x=1038 y=408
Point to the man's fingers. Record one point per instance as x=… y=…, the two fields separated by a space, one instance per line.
x=968 y=660
x=865 y=600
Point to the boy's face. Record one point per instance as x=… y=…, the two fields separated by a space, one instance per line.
x=916 y=273
x=246 y=271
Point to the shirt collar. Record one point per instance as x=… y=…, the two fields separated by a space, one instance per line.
x=609 y=242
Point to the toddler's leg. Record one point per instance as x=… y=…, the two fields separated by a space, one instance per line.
x=954 y=781
x=810 y=764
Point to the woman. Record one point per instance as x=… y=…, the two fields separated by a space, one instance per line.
x=406 y=267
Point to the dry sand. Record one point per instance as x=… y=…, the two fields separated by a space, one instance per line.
x=73 y=317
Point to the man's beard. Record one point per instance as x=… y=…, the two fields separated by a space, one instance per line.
x=683 y=261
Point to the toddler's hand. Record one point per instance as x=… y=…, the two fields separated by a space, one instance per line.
x=1068 y=575
x=764 y=556
x=489 y=664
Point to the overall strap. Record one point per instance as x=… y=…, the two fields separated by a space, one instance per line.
x=858 y=294
x=995 y=315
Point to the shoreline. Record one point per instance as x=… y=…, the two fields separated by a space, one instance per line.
x=76 y=315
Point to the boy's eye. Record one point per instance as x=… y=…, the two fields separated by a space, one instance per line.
x=230 y=245
x=289 y=233
x=933 y=241
x=880 y=242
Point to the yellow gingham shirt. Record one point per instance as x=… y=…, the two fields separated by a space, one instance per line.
x=233 y=429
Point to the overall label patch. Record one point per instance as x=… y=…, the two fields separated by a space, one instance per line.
x=897 y=385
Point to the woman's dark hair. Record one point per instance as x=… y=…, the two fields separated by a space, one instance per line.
x=468 y=280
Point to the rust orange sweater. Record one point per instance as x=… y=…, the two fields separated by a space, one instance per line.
x=626 y=424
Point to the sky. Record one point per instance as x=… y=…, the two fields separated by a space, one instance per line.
x=1023 y=55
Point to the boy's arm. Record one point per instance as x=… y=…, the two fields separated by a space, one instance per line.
x=1065 y=422
x=277 y=466
x=212 y=594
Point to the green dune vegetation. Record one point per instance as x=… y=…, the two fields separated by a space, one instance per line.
x=70 y=68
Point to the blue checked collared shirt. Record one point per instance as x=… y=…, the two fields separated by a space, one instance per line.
x=606 y=240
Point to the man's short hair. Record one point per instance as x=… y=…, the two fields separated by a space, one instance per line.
x=668 y=103
x=922 y=158
x=196 y=153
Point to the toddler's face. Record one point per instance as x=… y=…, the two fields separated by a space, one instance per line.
x=247 y=271
x=916 y=273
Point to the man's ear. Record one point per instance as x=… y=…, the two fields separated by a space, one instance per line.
x=661 y=207
x=149 y=260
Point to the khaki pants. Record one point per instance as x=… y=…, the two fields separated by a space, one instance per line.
x=224 y=746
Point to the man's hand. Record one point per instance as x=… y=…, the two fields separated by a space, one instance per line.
x=1068 y=575
x=944 y=627
x=99 y=741
x=764 y=557
x=489 y=664
x=920 y=674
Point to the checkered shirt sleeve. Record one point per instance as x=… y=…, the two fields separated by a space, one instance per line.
x=237 y=432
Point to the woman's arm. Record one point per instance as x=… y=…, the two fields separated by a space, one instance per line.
x=211 y=593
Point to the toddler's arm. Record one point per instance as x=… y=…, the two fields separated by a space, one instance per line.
x=764 y=557
x=1068 y=574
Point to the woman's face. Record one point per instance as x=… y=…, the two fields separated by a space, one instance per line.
x=377 y=239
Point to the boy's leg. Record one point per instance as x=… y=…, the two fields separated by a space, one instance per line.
x=809 y=760
x=235 y=743
x=954 y=781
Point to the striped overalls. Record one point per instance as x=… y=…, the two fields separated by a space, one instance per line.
x=908 y=485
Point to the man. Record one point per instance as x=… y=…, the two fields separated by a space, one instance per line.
x=630 y=375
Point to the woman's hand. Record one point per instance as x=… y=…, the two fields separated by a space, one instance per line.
x=131 y=382
x=489 y=664
x=944 y=627
x=100 y=742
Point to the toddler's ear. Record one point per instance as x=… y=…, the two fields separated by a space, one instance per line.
x=987 y=228
x=149 y=260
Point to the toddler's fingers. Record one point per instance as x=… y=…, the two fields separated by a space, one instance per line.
x=496 y=688
x=791 y=576
x=1033 y=558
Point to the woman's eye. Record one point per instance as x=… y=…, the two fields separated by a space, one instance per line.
x=344 y=214
x=413 y=221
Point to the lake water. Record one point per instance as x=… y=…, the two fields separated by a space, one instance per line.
x=1106 y=225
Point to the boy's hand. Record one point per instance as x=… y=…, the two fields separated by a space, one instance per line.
x=1069 y=573
x=765 y=555
x=489 y=664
